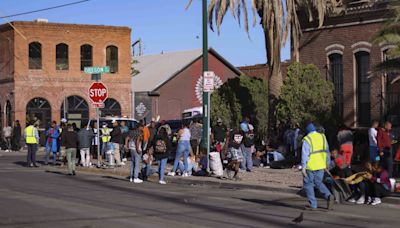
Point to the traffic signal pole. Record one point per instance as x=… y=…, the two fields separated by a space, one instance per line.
x=206 y=95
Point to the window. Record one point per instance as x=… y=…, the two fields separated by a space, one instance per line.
x=392 y=101
x=363 y=88
x=35 y=56
x=86 y=56
x=111 y=108
x=112 y=58
x=62 y=57
x=336 y=74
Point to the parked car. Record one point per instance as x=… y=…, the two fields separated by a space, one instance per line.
x=131 y=123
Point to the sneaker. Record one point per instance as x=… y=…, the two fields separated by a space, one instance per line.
x=130 y=179
x=376 y=201
x=330 y=202
x=361 y=200
x=162 y=182
x=185 y=175
x=137 y=181
x=124 y=160
x=369 y=200
x=122 y=163
x=171 y=174
x=351 y=200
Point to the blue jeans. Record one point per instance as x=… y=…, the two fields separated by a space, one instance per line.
x=104 y=148
x=135 y=167
x=247 y=162
x=161 y=168
x=314 y=179
x=47 y=157
x=373 y=153
x=183 y=149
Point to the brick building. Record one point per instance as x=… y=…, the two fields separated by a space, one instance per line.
x=41 y=70
x=344 y=51
x=169 y=83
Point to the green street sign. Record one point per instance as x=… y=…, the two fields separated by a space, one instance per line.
x=97 y=70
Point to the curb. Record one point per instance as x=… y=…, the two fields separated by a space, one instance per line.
x=394 y=199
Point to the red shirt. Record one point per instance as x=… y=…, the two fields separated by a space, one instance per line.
x=384 y=140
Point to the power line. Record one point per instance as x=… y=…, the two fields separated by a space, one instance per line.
x=39 y=10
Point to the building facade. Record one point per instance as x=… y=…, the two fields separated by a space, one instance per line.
x=169 y=83
x=344 y=51
x=41 y=71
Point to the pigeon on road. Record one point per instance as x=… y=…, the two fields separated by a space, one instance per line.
x=298 y=219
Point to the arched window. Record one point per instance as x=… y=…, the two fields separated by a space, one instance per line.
x=363 y=88
x=77 y=110
x=392 y=96
x=112 y=58
x=86 y=56
x=336 y=75
x=38 y=110
x=62 y=57
x=111 y=108
x=35 y=55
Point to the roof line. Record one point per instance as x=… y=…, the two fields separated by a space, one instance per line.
x=210 y=50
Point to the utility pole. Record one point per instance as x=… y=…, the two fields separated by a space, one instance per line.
x=206 y=95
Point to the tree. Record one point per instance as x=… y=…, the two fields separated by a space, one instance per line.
x=239 y=97
x=390 y=33
x=278 y=20
x=305 y=96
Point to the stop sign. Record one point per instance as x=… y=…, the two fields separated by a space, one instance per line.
x=98 y=92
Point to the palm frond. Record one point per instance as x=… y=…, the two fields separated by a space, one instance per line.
x=390 y=65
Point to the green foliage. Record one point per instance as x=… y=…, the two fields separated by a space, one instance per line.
x=239 y=97
x=305 y=96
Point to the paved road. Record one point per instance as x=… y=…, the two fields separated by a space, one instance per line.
x=39 y=198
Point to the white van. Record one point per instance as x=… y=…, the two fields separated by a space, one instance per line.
x=131 y=123
x=196 y=112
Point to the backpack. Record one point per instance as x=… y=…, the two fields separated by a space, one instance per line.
x=160 y=146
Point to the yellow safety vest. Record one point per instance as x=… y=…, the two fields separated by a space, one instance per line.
x=318 y=151
x=106 y=135
x=30 y=135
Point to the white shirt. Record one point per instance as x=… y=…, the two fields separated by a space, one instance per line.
x=7 y=131
x=95 y=139
x=185 y=136
x=372 y=137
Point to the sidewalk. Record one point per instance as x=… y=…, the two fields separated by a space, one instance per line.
x=282 y=180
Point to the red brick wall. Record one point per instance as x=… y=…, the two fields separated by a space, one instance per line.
x=179 y=93
x=53 y=84
x=315 y=49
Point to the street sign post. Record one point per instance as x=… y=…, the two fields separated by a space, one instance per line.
x=97 y=70
x=97 y=93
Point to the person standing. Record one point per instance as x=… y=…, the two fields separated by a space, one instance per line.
x=85 y=136
x=95 y=142
x=125 y=132
x=31 y=135
x=373 y=141
x=385 y=147
x=345 y=140
x=219 y=135
x=134 y=144
x=165 y=125
x=196 y=132
x=162 y=148
x=70 y=140
x=182 y=149
x=7 y=133
x=247 y=149
x=315 y=158
x=52 y=135
x=16 y=136
x=153 y=131
x=105 y=139
x=116 y=140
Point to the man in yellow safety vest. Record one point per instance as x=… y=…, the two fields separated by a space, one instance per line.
x=31 y=135
x=105 y=139
x=314 y=160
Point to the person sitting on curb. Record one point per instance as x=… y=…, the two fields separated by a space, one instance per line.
x=314 y=161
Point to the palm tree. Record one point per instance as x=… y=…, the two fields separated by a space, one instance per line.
x=278 y=20
x=390 y=34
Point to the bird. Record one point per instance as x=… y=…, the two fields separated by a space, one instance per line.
x=298 y=219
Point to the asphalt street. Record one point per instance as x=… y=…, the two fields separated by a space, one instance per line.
x=46 y=197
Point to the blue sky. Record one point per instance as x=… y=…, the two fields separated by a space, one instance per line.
x=163 y=25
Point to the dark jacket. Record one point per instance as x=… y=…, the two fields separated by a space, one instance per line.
x=116 y=135
x=167 y=143
x=69 y=139
x=85 y=137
